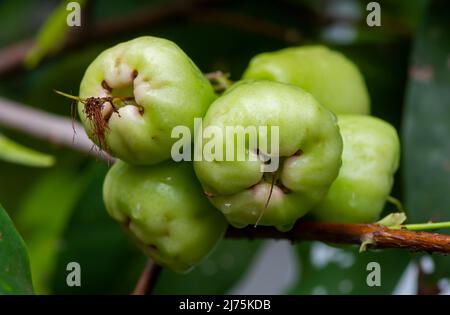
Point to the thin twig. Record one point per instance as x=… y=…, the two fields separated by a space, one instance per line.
x=147 y=280
x=378 y=235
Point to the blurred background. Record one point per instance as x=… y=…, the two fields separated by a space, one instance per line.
x=54 y=197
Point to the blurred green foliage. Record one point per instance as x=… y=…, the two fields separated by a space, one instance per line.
x=426 y=127
x=44 y=214
x=52 y=36
x=60 y=211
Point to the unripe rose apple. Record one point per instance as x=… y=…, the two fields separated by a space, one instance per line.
x=329 y=76
x=309 y=153
x=148 y=85
x=369 y=161
x=164 y=210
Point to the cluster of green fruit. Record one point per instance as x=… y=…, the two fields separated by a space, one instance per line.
x=336 y=161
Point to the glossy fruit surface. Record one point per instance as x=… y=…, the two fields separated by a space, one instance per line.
x=369 y=160
x=309 y=153
x=164 y=211
x=328 y=75
x=155 y=87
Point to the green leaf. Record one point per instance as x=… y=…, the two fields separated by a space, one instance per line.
x=426 y=128
x=342 y=270
x=15 y=277
x=216 y=275
x=16 y=153
x=44 y=214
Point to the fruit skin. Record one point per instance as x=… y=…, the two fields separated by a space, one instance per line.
x=238 y=188
x=164 y=210
x=169 y=88
x=328 y=75
x=370 y=159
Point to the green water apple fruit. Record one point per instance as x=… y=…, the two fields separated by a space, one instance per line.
x=328 y=75
x=308 y=148
x=134 y=93
x=369 y=160
x=165 y=212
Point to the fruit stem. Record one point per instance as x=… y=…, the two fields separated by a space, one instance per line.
x=422 y=226
x=76 y=98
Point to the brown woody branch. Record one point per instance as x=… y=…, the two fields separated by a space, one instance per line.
x=147 y=280
x=379 y=237
x=339 y=233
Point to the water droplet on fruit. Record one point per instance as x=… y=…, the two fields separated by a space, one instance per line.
x=136 y=212
x=226 y=208
x=352 y=202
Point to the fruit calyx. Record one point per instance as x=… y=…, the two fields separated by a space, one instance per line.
x=99 y=110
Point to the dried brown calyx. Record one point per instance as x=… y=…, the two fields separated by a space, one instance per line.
x=93 y=109
x=98 y=111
